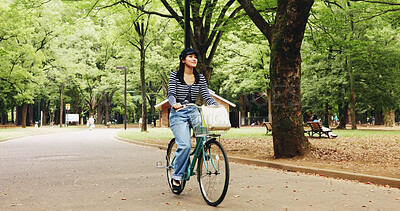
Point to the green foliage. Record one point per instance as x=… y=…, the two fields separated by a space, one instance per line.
x=240 y=67
x=373 y=49
x=75 y=46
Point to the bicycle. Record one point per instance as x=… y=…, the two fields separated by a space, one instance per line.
x=212 y=165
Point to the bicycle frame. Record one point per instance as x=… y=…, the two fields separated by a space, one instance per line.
x=212 y=168
x=199 y=148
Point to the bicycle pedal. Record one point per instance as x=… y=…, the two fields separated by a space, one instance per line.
x=159 y=165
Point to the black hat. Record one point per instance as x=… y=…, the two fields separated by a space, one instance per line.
x=186 y=52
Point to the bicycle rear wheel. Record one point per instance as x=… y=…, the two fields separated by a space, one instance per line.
x=171 y=163
x=213 y=173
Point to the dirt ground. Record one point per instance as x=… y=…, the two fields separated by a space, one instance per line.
x=374 y=155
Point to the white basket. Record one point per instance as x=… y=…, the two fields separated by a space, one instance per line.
x=215 y=118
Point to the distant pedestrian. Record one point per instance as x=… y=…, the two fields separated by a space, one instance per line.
x=91 y=123
x=373 y=120
x=336 y=120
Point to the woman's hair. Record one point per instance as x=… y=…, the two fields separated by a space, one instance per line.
x=181 y=69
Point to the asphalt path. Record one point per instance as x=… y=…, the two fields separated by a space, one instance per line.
x=91 y=170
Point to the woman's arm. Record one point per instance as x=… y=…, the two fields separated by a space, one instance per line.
x=205 y=93
x=172 y=91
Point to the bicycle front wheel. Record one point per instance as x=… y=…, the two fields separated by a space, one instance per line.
x=171 y=163
x=213 y=173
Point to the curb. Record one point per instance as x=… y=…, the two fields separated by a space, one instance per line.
x=7 y=139
x=378 y=180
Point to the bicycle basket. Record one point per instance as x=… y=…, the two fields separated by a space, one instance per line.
x=215 y=118
x=200 y=131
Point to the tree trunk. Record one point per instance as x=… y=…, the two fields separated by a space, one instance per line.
x=285 y=37
x=24 y=114
x=107 y=105
x=143 y=88
x=56 y=116
x=45 y=108
x=12 y=115
x=350 y=71
x=269 y=105
x=326 y=118
x=164 y=88
x=30 y=116
x=352 y=95
x=392 y=117
x=205 y=70
x=99 y=119
x=388 y=117
x=4 y=118
x=287 y=130
x=92 y=104
x=18 y=111
x=152 y=103
x=342 y=115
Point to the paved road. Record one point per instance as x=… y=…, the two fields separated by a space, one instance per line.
x=90 y=170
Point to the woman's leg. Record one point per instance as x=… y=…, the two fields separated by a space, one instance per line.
x=195 y=118
x=180 y=129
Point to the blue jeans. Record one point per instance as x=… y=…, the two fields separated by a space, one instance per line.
x=180 y=128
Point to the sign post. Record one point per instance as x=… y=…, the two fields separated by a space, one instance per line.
x=67 y=107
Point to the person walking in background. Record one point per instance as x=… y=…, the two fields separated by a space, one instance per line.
x=91 y=123
x=373 y=120
x=336 y=120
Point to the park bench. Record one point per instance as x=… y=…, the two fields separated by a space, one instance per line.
x=268 y=126
x=316 y=128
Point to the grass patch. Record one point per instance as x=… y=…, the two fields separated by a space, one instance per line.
x=243 y=133
x=364 y=133
x=152 y=133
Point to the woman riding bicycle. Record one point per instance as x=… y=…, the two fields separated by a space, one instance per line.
x=184 y=87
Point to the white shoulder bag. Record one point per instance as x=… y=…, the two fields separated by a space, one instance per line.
x=215 y=117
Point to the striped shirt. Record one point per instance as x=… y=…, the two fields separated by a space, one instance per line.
x=178 y=90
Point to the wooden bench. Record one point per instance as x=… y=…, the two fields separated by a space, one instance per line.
x=316 y=128
x=268 y=126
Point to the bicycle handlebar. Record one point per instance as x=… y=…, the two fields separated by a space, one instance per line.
x=190 y=104
x=186 y=105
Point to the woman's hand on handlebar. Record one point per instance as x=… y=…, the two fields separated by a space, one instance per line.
x=177 y=106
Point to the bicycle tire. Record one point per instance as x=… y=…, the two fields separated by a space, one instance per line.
x=170 y=164
x=213 y=179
